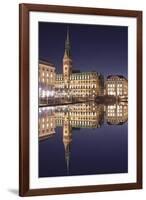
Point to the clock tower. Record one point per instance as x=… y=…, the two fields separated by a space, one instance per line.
x=67 y=138
x=67 y=61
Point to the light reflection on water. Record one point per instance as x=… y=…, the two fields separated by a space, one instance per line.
x=60 y=129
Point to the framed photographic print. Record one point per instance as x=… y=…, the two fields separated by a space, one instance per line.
x=80 y=99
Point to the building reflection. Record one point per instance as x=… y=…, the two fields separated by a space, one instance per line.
x=83 y=115
x=116 y=114
x=46 y=123
x=67 y=138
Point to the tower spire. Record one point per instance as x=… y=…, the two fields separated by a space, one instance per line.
x=67 y=38
x=67 y=156
x=67 y=61
x=67 y=45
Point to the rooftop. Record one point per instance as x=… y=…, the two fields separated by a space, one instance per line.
x=44 y=62
x=116 y=76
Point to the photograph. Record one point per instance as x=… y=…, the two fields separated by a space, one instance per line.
x=80 y=105
x=83 y=99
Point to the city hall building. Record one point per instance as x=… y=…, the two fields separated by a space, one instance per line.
x=69 y=84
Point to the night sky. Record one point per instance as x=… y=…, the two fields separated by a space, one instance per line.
x=93 y=47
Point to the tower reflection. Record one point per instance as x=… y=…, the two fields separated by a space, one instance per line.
x=83 y=115
x=67 y=138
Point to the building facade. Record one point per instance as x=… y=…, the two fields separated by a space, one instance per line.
x=84 y=84
x=81 y=84
x=46 y=83
x=116 y=85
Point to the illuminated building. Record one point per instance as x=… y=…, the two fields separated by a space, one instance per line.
x=116 y=85
x=117 y=113
x=85 y=84
x=73 y=86
x=81 y=84
x=46 y=81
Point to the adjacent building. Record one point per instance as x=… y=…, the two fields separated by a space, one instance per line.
x=116 y=85
x=46 y=83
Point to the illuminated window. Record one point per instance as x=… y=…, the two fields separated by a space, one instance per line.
x=43 y=93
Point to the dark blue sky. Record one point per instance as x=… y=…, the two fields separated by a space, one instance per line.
x=94 y=47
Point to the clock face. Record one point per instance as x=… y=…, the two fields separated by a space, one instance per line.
x=65 y=67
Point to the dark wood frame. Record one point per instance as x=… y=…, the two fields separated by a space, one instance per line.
x=24 y=10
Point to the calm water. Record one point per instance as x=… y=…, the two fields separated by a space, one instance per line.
x=83 y=139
